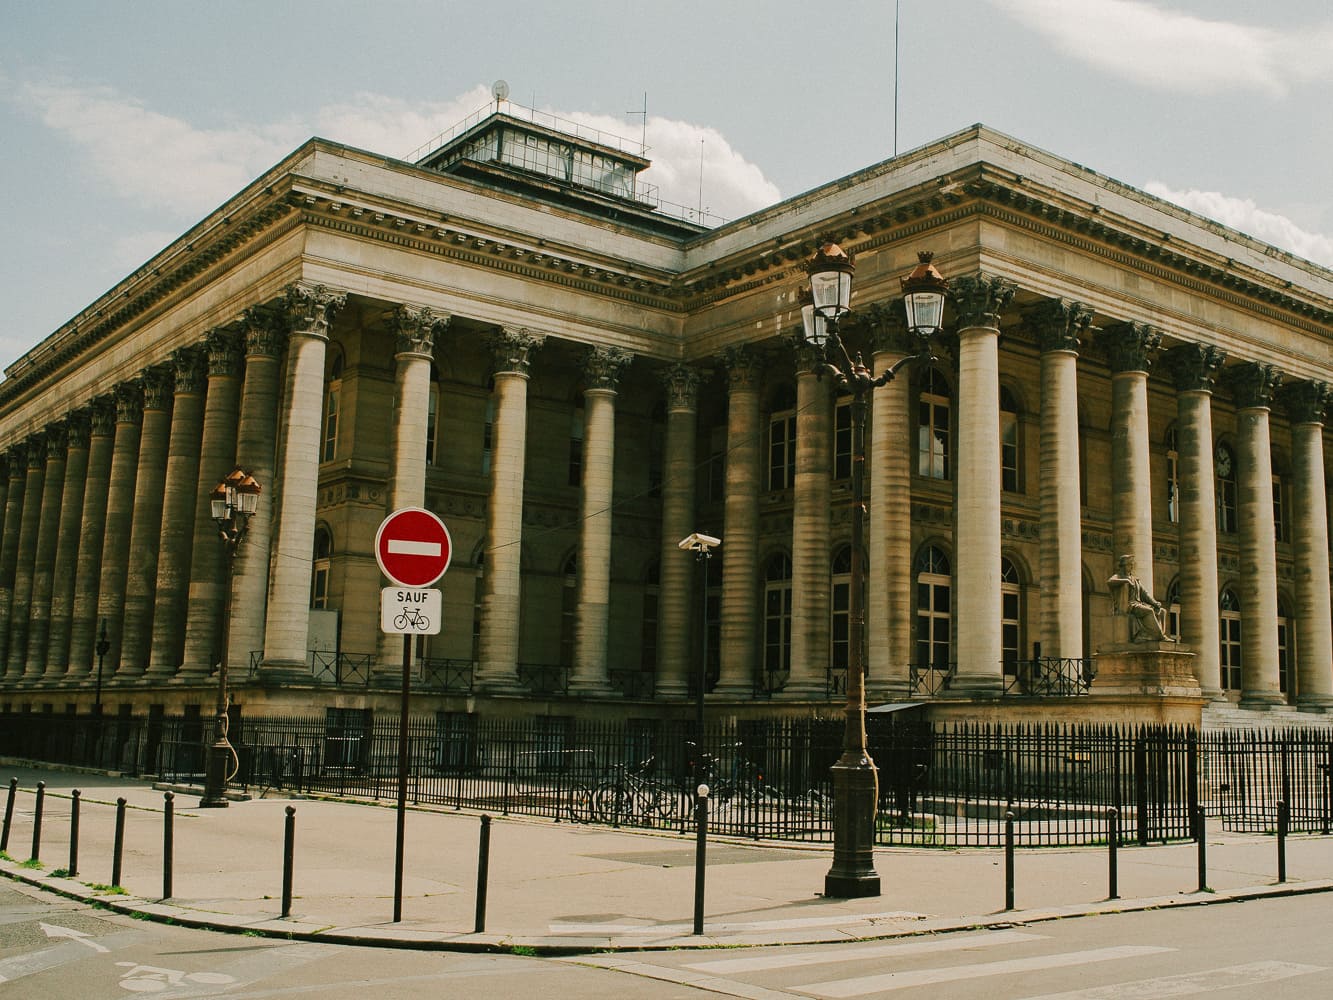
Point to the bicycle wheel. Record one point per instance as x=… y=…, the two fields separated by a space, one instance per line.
x=422 y=622
x=400 y=620
x=579 y=804
x=613 y=803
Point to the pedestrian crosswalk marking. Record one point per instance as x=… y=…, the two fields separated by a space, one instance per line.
x=928 y=977
x=1190 y=983
x=916 y=946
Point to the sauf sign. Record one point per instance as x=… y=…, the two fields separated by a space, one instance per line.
x=413 y=549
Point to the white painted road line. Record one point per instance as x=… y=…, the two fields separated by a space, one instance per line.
x=929 y=977
x=756 y=925
x=792 y=958
x=1190 y=983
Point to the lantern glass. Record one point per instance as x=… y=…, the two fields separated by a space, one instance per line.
x=816 y=329
x=831 y=291
x=221 y=510
x=925 y=311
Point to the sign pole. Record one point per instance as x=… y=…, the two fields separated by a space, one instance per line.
x=402 y=783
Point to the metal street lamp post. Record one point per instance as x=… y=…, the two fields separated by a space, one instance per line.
x=702 y=546
x=234 y=501
x=855 y=781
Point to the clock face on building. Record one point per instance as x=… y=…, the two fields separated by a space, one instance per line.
x=1223 y=459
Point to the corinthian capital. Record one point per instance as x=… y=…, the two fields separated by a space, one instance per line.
x=129 y=403
x=1253 y=384
x=265 y=333
x=745 y=367
x=311 y=308
x=1059 y=324
x=415 y=329
x=682 y=386
x=224 y=352
x=36 y=452
x=603 y=366
x=980 y=298
x=78 y=426
x=1194 y=367
x=1129 y=346
x=157 y=387
x=1306 y=402
x=57 y=439
x=191 y=372
x=102 y=412
x=512 y=348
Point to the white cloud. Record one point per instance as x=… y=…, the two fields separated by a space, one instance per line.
x=1247 y=217
x=1161 y=48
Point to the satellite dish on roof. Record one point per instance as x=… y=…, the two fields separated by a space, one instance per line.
x=500 y=91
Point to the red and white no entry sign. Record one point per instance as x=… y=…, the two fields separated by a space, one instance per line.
x=413 y=547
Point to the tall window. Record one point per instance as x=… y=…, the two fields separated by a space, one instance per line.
x=569 y=607
x=648 y=629
x=432 y=418
x=933 y=609
x=1229 y=615
x=1172 y=476
x=840 y=626
x=1224 y=463
x=1173 y=610
x=1286 y=659
x=576 y=424
x=842 y=440
x=332 y=408
x=478 y=594
x=1011 y=617
x=717 y=463
x=319 y=578
x=656 y=449
x=1011 y=469
x=782 y=440
x=1280 y=530
x=488 y=429
x=777 y=614
x=933 y=427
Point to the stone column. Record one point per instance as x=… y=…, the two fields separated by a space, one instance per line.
x=83 y=626
x=16 y=459
x=217 y=457
x=65 y=562
x=310 y=309
x=1253 y=384
x=1194 y=368
x=979 y=299
x=1306 y=403
x=1129 y=347
x=602 y=369
x=39 y=628
x=740 y=526
x=145 y=534
x=677 y=649
x=812 y=497
x=1059 y=324
x=27 y=556
x=414 y=331
x=171 y=588
x=119 y=518
x=889 y=575
x=501 y=585
x=256 y=444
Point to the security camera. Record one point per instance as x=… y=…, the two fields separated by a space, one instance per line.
x=699 y=543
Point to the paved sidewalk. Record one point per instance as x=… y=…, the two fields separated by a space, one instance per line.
x=560 y=887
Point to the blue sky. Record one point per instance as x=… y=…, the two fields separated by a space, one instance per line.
x=123 y=122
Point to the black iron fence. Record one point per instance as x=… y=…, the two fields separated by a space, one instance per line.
x=939 y=785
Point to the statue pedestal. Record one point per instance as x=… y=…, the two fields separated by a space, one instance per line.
x=1160 y=669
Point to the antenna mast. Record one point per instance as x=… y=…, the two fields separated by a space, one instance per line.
x=643 y=142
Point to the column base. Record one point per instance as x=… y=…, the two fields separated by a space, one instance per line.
x=1261 y=701
x=672 y=690
x=283 y=671
x=1315 y=704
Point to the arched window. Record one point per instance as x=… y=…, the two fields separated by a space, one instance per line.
x=840 y=629
x=569 y=607
x=1011 y=454
x=1224 y=464
x=576 y=424
x=1229 y=620
x=1172 y=475
x=1286 y=652
x=332 y=410
x=842 y=439
x=782 y=440
x=933 y=609
x=934 y=407
x=1173 y=610
x=1011 y=616
x=1281 y=531
x=777 y=615
x=319 y=577
x=488 y=429
x=648 y=627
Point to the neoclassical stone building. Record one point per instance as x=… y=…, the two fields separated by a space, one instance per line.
x=512 y=333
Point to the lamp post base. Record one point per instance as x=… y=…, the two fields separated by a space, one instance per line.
x=215 y=782
x=855 y=788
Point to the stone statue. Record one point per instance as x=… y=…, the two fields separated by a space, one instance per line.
x=1147 y=617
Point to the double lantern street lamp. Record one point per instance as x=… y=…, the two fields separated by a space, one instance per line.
x=855 y=783
x=233 y=501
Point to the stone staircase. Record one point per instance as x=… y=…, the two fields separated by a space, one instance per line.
x=1224 y=715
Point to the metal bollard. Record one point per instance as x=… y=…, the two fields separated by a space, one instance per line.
x=483 y=873
x=700 y=857
x=1009 y=860
x=1113 y=845
x=168 y=829
x=37 y=821
x=119 y=848
x=74 y=832
x=9 y=814
x=288 y=856
x=1200 y=835
x=1283 y=825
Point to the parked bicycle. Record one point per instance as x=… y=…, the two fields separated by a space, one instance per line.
x=635 y=794
x=734 y=778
